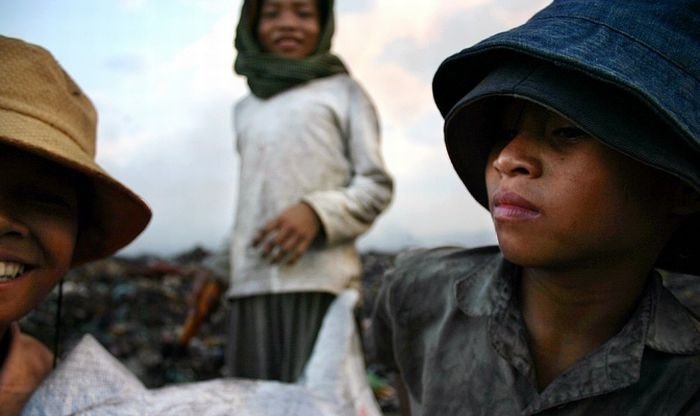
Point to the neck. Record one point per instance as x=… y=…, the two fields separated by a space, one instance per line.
x=570 y=313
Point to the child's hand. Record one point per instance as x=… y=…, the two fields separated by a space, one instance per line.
x=289 y=235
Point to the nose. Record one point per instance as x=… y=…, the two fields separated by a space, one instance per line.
x=10 y=223
x=287 y=20
x=518 y=157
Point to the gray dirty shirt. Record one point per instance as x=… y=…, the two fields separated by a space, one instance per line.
x=448 y=321
x=318 y=143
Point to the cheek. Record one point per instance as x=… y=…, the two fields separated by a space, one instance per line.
x=491 y=178
x=59 y=237
x=313 y=31
x=264 y=33
x=57 y=241
x=636 y=190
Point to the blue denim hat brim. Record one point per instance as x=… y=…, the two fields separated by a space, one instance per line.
x=602 y=111
x=617 y=120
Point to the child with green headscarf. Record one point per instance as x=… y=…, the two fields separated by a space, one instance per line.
x=312 y=180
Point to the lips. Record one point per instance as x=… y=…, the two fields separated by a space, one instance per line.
x=13 y=265
x=509 y=206
x=10 y=270
x=287 y=40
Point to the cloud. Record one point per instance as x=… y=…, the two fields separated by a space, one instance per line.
x=131 y=5
x=165 y=131
x=165 y=125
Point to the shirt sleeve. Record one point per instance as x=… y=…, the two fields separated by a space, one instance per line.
x=347 y=212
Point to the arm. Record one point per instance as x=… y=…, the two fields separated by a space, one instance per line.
x=342 y=213
x=347 y=212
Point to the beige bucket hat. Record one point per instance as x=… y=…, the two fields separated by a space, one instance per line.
x=44 y=112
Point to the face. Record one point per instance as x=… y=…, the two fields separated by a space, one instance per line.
x=289 y=28
x=38 y=228
x=560 y=198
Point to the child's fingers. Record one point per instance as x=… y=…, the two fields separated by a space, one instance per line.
x=266 y=231
x=288 y=247
x=299 y=251
x=289 y=240
x=274 y=246
x=258 y=238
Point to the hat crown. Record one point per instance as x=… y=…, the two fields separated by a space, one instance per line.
x=676 y=25
x=649 y=48
x=34 y=84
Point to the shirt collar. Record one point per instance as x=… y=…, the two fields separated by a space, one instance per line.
x=673 y=329
x=660 y=322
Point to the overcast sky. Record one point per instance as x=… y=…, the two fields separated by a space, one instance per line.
x=159 y=73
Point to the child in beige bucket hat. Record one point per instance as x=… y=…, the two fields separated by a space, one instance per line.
x=58 y=208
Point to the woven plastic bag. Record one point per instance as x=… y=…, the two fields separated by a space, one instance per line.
x=90 y=381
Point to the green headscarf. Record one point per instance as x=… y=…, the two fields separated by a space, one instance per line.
x=270 y=74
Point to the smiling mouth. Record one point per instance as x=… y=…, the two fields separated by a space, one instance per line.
x=288 y=43
x=10 y=270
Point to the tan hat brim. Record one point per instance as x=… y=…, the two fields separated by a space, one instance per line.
x=115 y=214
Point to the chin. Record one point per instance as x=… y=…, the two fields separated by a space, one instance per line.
x=528 y=255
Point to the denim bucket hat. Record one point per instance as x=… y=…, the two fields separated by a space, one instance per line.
x=626 y=72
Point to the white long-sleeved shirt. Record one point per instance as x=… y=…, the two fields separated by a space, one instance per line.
x=317 y=143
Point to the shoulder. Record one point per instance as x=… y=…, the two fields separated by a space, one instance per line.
x=342 y=83
x=447 y=256
x=336 y=80
x=27 y=362
x=243 y=103
x=433 y=272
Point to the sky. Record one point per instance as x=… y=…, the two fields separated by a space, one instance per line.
x=160 y=74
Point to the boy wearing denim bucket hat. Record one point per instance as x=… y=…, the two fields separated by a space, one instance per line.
x=580 y=132
x=58 y=208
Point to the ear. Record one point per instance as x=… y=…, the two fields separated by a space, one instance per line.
x=686 y=200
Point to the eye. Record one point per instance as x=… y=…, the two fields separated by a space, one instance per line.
x=567 y=135
x=503 y=135
x=499 y=138
x=568 y=132
x=269 y=12
x=46 y=198
x=306 y=12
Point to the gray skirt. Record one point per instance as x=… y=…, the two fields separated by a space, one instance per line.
x=272 y=336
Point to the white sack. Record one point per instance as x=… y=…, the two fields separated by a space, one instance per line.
x=90 y=381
